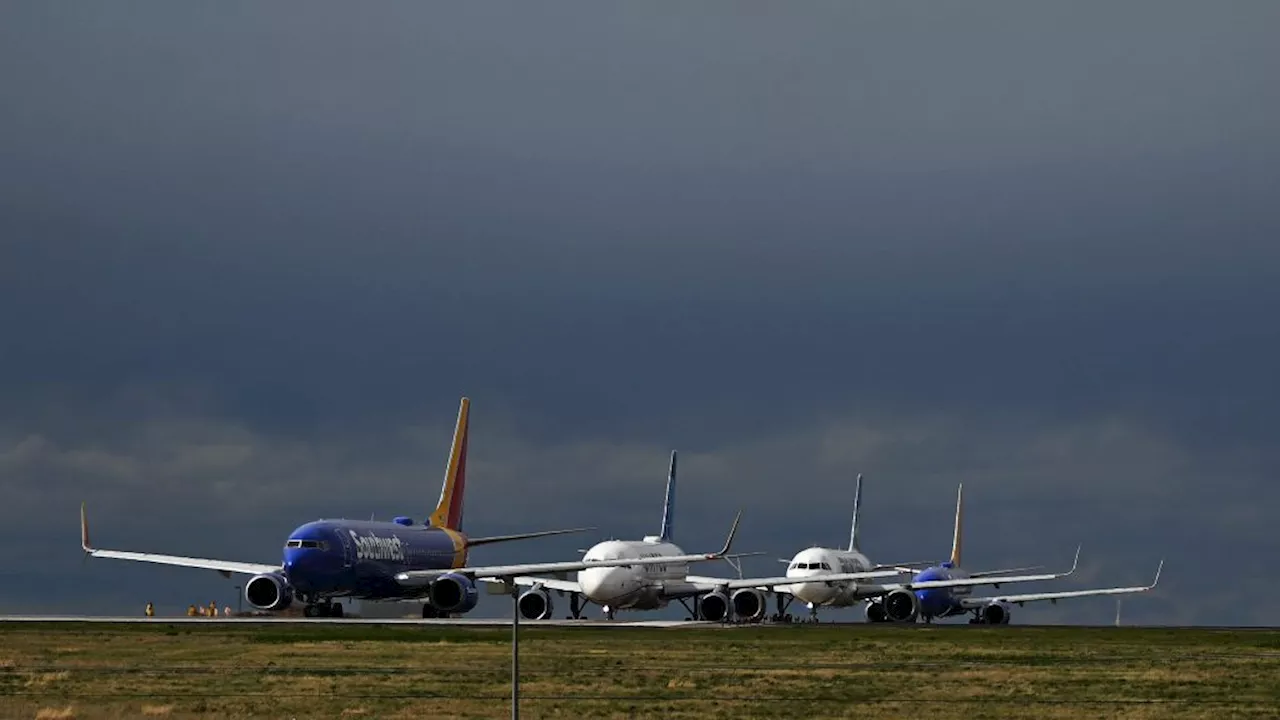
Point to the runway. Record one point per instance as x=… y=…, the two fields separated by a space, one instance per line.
x=450 y=622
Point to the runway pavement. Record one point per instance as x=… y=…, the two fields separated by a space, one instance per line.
x=470 y=622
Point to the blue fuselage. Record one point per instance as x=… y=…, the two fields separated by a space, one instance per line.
x=941 y=602
x=354 y=558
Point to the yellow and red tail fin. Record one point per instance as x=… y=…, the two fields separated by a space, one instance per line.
x=448 y=512
x=957 y=537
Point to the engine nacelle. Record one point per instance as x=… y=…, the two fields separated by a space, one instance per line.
x=535 y=604
x=997 y=613
x=453 y=593
x=875 y=612
x=268 y=591
x=748 y=604
x=901 y=605
x=713 y=606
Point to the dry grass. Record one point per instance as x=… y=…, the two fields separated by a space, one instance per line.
x=246 y=671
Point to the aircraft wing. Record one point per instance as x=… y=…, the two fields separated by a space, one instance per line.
x=977 y=602
x=505 y=573
x=996 y=580
x=548 y=583
x=769 y=583
x=1002 y=571
x=226 y=567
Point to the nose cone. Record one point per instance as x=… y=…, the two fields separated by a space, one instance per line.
x=813 y=592
x=602 y=585
x=933 y=602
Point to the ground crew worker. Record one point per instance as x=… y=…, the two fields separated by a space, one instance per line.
x=151 y=610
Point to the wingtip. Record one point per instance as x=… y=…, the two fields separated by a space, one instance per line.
x=1076 y=562
x=1157 y=578
x=733 y=530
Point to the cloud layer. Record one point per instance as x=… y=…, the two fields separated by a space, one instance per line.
x=248 y=263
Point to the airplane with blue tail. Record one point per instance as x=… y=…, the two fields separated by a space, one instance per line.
x=326 y=560
x=937 y=591
x=928 y=603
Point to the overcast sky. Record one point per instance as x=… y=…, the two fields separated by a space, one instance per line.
x=251 y=255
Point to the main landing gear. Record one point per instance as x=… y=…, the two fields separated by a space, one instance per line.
x=325 y=609
x=575 y=606
x=429 y=612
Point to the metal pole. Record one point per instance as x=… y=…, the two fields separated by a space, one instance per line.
x=515 y=653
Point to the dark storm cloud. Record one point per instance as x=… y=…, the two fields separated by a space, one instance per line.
x=244 y=248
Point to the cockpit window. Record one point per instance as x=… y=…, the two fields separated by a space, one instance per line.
x=826 y=566
x=317 y=544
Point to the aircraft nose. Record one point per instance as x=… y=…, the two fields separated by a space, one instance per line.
x=815 y=592
x=599 y=584
x=932 y=602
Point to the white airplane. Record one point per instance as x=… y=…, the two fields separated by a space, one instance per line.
x=939 y=591
x=653 y=586
x=650 y=573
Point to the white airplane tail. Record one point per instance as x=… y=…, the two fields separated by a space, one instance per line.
x=857 y=510
x=669 y=504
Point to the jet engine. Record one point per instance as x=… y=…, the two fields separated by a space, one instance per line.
x=269 y=591
x=997 y=613
x=875 y=612
x=902 y=605
x=453 y=593
x=535 y=604
x=748 y=604
x=713 y=606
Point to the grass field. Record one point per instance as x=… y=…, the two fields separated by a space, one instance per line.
x=76 y=670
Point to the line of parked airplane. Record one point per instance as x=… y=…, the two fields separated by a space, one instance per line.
x=327 y=560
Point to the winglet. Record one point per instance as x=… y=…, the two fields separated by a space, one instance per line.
x=728 y=542
x=1074 y=563
x=84 y=530
x=1158 y=569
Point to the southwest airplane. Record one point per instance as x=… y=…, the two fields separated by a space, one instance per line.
x=329 y=559
x=941 y=602
x=650 y=573
x=939 y=591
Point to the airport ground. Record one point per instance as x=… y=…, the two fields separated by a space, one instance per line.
x=334 y=670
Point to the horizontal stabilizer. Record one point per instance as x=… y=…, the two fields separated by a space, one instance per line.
x=507 y=572
x=1005 y=571
x=472 y=542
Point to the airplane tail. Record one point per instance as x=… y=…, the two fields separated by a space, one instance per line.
x=448 y=512
x=669 y=504
x=857 y=510
x=956 y=538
